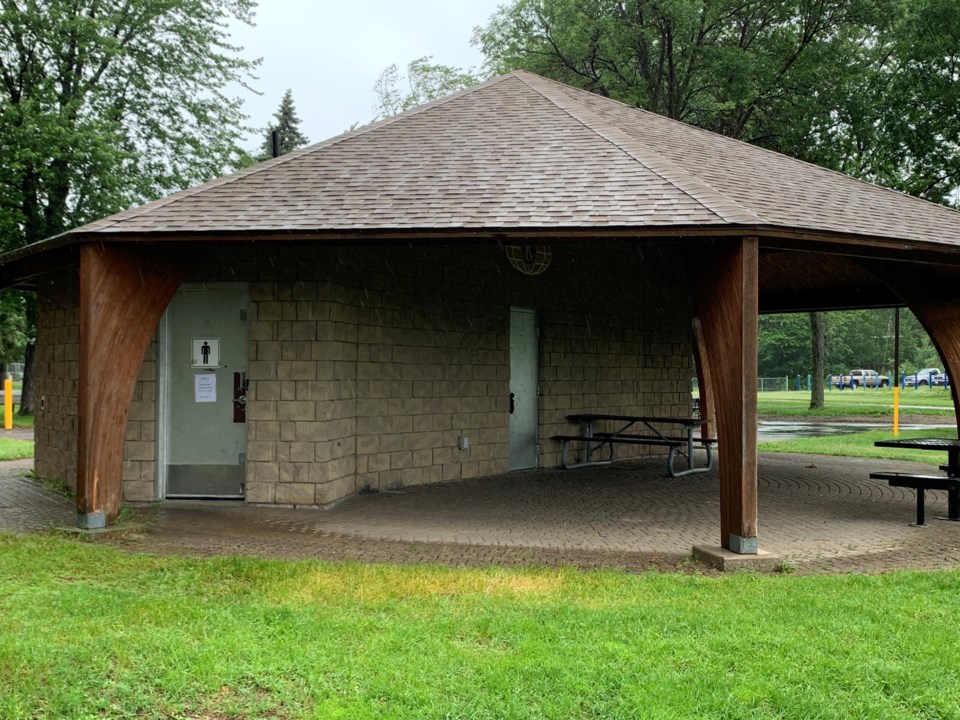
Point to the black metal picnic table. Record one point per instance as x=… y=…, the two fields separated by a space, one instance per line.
x=922 y=483
x=594 y=440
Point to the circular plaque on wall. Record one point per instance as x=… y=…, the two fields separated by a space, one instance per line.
x=529 y=258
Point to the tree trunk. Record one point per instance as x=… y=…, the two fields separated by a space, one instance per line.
x=26 y=389
x=817 y=341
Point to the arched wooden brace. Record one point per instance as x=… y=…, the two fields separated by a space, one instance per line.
x=123 y=294
x=727 y=305
x=704 y=381
x=934 y=297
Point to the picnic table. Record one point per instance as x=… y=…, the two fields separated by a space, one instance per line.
x=921 y=482
x=652 y=431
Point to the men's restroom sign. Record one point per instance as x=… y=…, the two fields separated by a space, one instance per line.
x=205 y=353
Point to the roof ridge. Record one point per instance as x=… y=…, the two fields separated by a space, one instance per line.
x=703 y=193
x=146 y=207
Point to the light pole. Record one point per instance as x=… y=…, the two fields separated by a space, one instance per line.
x=896 y=371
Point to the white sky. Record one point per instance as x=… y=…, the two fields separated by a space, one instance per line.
x=331 y=52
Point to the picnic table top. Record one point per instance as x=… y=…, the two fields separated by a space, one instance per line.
x=944 y=444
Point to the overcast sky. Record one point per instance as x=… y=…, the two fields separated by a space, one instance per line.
x=331 y=52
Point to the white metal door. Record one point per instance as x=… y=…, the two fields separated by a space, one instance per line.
x=523 y=388
x=203 y=406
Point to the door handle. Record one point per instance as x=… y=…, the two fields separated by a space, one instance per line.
x=240 y=385
x=512 y=403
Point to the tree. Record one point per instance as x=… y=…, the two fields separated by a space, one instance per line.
x=865 y=87
x=763 y=71
x=287 y=127
x=917 y=101
x=104 y=105
x=425 y=82
x=783 y=348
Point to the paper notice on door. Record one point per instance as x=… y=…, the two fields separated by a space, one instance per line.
x=205 y=388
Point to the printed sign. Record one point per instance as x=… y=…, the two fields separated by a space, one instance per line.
x=205 y=388
x=205 y=353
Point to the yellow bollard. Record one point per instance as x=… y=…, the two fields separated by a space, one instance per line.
x=8 y=404
x=896 y=410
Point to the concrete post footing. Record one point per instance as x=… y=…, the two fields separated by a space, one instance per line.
x=92 y=520
x=727 y=560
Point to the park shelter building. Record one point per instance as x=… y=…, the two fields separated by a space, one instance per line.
x=427 y=298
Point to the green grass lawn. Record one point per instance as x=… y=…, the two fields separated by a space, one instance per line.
x=92 y=632
x=861 y=444
x=12 y=449
x=870 y=403
x=22 y=421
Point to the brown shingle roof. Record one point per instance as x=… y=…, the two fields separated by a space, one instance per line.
x=523 y=152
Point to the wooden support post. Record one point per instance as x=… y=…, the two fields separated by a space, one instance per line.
x=123 y=294
x=727 y=306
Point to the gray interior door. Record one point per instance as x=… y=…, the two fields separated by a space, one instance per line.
x=523 y=388
x=204 y=415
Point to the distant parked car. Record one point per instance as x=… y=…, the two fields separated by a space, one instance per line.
x=861 y=378
x=941 y=380
x=924 y=378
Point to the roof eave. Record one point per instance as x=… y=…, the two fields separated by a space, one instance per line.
x=772 y=237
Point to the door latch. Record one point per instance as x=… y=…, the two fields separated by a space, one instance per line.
x=240 y=385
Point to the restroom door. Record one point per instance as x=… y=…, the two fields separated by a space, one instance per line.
x=523 y=388
x=203 y=415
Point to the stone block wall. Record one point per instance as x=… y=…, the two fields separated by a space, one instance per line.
x=366 y=364
x=619 y=343
x=140 y=445
x=302 y=406
x=57 y=358
x=433 y=365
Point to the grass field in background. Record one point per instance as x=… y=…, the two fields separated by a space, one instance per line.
x=868 y=403
x=89 y=631
x=23 y=421
x=12 y=449
x=861 y=444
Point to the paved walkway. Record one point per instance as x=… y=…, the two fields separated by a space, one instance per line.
x=821 y=514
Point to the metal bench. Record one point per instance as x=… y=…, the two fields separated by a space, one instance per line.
x=922 y=483
x=677 y=445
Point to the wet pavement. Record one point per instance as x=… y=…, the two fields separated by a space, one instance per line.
x=821 y=514
x=792 y=430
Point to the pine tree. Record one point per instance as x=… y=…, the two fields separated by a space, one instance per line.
x=287 y=126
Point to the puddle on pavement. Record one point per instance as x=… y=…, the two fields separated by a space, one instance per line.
x=786 y=430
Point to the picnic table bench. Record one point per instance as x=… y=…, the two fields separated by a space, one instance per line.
x=593 y=441
x=923 y=482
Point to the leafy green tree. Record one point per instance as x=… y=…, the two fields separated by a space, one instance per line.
x=754 y=70
x=916 y=100
x=287 y=127
x=866 y=87
x=852 y=339
x=424 y=81
x=14 y=321
x=783 y=345
x=104 y=105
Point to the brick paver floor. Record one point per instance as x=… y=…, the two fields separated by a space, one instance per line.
x=821 y=514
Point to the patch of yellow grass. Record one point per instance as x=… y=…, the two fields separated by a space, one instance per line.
x=380 y=583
